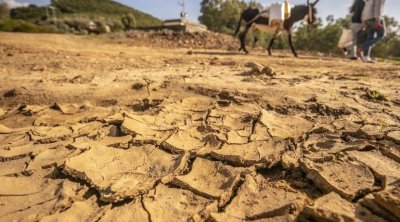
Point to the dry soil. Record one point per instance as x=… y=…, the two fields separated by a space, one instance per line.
x=108 y=129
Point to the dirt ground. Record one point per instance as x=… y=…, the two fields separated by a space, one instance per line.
x=101 y=129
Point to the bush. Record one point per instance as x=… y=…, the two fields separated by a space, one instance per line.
x=321 y=39
x=4 y=11
x=11 y=25
x=77 y=24
x=128 y=21
x=116 y=26
x=221 y=15
x=264 y=38
x=101 y=27
x=105 y=9
x=32 y=13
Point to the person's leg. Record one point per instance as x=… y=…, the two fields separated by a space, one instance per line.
x=351 y=48
x=380 y=34
x=362 y=37
x=370 y=38
x=355 y=28
x=368 y=55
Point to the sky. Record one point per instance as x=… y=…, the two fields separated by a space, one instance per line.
x=168 y=9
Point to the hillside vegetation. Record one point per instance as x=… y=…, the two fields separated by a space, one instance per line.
x=73 y=16
x=104 y=8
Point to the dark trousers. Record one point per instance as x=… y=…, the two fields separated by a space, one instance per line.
x=373 y=36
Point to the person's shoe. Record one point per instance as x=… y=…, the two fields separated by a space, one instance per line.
x=368 y=59
x=344 y=51
x=353 y=58
x=359 y=51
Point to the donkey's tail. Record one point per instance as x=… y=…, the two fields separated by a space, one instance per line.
x=239 y=24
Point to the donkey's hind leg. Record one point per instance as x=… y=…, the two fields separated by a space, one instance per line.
x=255 y=42
x=242 y=38
x=271 y=43
x=291 y=44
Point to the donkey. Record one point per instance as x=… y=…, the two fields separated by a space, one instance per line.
x=253 y=18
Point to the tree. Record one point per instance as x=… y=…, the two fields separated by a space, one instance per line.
x=128 y=21
x=209 y=11
x=4 y=11
x=330 y=19
x=32 y=13
x=321 y=39
x=254 y=4
x=221 y=15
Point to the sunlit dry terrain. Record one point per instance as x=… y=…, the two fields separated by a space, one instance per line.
x=107 y=129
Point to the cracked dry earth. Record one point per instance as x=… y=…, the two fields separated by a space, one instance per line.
x=91 y=130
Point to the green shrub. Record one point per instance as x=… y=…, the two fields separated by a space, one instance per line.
x=105 y=9
x=77 y=24
x=76 y=14
x=321 y=39
x=128 y=21
x=375 y=95
x=221 y=15
x=101 y=27
x=32 y=13
x=11 y=25
x=116 y=26
x=4 y=11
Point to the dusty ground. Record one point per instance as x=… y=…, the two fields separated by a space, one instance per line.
x=94 y=130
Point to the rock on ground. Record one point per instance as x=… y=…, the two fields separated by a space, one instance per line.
x=259 y=198
x=345 y=178
x=262 y=154
x=210 y=179
x=120 y=174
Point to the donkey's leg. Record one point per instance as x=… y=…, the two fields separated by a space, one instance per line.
x=255 y=42
x=240 y=39
x=271 y=43
x=243 y=38
x=291 y=44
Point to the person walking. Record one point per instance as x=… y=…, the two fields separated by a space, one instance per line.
x=374 y=24
x=356 y=11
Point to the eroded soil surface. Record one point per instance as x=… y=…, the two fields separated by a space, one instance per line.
x=92 y=129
